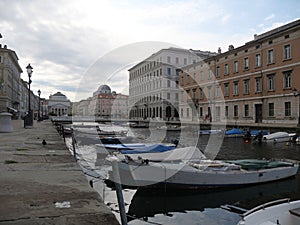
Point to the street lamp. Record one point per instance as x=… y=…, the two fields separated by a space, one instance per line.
x=39 y=116
x=297 y=93
x=28 y=122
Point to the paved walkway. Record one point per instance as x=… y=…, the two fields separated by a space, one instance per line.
x=42 y=184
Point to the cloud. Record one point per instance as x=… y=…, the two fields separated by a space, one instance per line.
x=272 y=16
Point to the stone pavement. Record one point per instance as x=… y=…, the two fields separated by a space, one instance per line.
x=42 y=184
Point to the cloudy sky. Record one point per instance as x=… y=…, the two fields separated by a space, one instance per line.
x=68 y=40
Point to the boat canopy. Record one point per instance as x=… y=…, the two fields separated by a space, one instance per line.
x=149 y=149
x=257 y=164
x=233 y=131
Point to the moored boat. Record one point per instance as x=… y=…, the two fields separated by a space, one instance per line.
x=235 y=132
x=277 y=137
x=273 y=213
x=205 y=173
x=209 y=132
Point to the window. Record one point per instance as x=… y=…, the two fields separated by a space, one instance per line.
x=226 y=69
x=235 y=67
x=208 y=91
x=246 y=86
x=236 y=88
x=287 y=108
x=226 y=89
x=271 y=82
x=194 y=77
x=201 y=76
x=246 y=63
x=168 y=83
x=271 y=109
x=176 y=96
x=168 y=95
x=209 y=74
x=169 y=59
x=187 y=112
x=217 y=91
x=287 y=52
x=181 y=112
x=194 y=97
x=257 y=60
x=168 y=71
x=187 y=79
x=258 y=84
x=185 y=61
x=201 y=111
x=177 y=60
x=235 y=110
x=271 y=56
x=226 y=110
x=201 y=93
x=217 y=71
x=246 y=110
x=287 y=80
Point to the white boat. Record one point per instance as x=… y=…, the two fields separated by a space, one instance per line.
x=205 y=173
x=210 y=132
x=273 y=213
x=157 y=155
x=277 y=137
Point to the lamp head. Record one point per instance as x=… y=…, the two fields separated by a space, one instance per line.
x=39 y=92
x=29 y=70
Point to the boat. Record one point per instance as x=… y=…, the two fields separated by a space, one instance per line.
x=209 y=132
x=277 y=137
x=205 y=173
x=234 y=133
x=277 y=212
x=159 y=153
x=109 y=148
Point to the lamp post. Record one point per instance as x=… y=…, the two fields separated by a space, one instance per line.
x=39 y=109
x=297 y=93
x=28 y=122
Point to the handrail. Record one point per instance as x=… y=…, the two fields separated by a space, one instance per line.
x=263 y=206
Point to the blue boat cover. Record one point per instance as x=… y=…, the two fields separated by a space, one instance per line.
x=234 y=131
x=255 y=132
x=149 y=149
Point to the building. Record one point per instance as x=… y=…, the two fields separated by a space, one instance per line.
x=257 y=84
x=59 y=105
x=153 y=83
x=108 y=104
x=10 y=70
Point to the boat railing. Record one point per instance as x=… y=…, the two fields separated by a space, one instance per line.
x=263 y=206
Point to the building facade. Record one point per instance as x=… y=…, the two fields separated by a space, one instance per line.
x=10 y=89
x=59 y=105
x=153 y=83
x=104 y=103
x=255 y=84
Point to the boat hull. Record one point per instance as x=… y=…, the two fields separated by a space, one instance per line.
x=185 y=175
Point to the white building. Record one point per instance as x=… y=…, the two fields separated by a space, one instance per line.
x=153 y=83
x=59 y=105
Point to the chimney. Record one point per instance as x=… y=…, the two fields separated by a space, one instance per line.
x=231 y=47
x=219 y=50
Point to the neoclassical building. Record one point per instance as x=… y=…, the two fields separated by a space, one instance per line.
x=104 y=103
x=59 y=104
x=153 y=83
x=257 y=84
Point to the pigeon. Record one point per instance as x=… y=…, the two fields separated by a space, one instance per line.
x=44 y=142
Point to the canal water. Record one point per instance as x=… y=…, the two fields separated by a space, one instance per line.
x=191 y=207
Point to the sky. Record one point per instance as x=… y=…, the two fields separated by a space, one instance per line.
x=74 y=46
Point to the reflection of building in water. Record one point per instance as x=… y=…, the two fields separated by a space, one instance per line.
x=153 y=83
x=255 y=84
x=104 y=103
x=59 y=105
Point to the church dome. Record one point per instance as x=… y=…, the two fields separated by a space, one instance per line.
x=104 y=89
